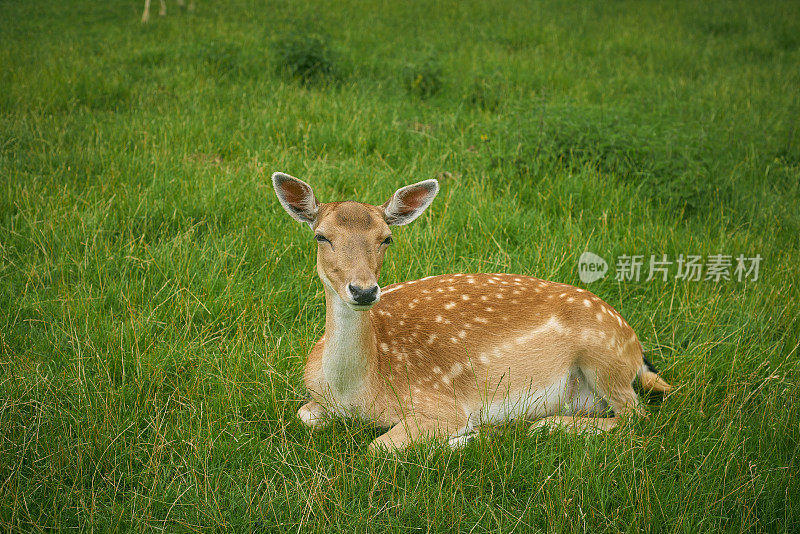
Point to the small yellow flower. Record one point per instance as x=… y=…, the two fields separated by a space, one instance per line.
x=484 y=137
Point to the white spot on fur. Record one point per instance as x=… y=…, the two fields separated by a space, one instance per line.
x=431 y=339
x=587 y=302
x=465 y=297
x=384 y=347
x=462 y=334
x=450 y=305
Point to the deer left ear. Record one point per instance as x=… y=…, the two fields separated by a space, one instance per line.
x=408 y=203
x=296 y=197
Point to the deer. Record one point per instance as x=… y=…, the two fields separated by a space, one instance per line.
x=446 y=355
x=162 y=10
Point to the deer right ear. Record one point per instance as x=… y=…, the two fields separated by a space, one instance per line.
x=296 y=197
x=408 y=203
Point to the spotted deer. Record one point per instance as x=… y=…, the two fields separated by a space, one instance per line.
x=443 y=355
x=162 y=10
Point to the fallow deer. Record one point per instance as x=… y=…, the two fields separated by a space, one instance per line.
x=445 y=354
x=162 y=10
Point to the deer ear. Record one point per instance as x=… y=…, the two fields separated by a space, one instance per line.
x=296 y=197
x=408 y=203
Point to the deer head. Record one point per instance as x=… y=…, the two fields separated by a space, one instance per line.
x=352 y=237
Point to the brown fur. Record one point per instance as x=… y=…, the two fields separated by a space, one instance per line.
x=438 y=355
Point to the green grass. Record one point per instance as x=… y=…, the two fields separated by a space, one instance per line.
x=157 y=304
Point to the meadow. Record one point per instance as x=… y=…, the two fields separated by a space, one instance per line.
x=157 y=304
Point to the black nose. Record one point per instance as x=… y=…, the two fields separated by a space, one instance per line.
x=363 y=296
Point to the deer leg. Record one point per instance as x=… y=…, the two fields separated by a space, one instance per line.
x=313 y=414
x=462 y=437
x=623 y=401
x=404 y=433
x=162 y=11
x=146 y=12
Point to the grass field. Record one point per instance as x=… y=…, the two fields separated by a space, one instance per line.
x=157 y=304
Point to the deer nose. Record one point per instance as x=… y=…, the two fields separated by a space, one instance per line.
x=363 y=296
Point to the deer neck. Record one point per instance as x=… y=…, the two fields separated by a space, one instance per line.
x=349 y=347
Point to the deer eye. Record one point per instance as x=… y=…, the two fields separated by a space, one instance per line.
x=321 y=238
x=388 y=241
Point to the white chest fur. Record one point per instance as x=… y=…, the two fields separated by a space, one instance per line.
x=344 y=359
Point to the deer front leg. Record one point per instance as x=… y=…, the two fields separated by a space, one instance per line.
x=313 y=414
x=402 y=434
x=415 y=428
